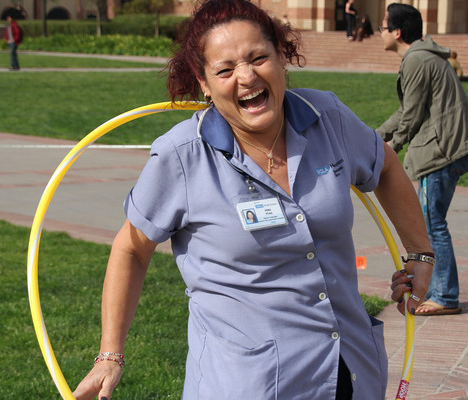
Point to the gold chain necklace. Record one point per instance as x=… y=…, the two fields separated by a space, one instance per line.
x=269 y=154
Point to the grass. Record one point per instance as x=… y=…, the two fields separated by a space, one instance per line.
x=70 y=278
x=374 y=304
x=69 y=105
x=45 y=61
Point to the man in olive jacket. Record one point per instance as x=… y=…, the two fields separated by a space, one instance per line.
x=433 y=119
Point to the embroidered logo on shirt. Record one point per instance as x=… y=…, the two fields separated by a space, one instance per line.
x=336 y=167
x=323 y=170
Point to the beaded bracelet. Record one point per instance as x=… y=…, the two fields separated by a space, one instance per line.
x=107 y=357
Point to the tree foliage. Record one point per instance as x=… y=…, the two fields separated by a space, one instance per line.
x=147 y=7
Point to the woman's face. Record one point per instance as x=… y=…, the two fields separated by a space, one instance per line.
x=244 y=75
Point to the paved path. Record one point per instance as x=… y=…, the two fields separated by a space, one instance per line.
x=88 y=205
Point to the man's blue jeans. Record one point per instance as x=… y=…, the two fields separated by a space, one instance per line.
x=435 y=193
x=13 y=56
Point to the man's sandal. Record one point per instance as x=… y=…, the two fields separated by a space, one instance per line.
x=432 y=308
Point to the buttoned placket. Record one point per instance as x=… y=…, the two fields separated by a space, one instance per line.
x=253 y=173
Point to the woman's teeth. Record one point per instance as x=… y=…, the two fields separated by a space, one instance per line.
x=251 y=95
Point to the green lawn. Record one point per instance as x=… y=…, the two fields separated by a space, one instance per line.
x=70 y=280
x=69 y=105
x=50 y=61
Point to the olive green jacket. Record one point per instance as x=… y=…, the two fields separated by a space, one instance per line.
x=433 y=113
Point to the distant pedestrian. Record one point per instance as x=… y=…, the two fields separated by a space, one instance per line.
x=14 y=37
x=351 y=15
x=433 y=119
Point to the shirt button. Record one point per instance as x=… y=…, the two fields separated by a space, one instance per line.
x=322 y=296
x=335 y=335
x=310 y=256
x=300 y=217
x=353 y=377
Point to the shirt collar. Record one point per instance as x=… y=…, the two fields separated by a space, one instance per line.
x=215 y=130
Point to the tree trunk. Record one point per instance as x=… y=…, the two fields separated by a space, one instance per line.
x=156 y=28
x=98 y=24
x=101 y=15
x=44 y=18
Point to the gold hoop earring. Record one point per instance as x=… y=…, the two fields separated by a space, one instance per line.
x=207 y=99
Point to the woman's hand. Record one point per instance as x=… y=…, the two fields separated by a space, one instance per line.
x=415 y=279
x=101 y=382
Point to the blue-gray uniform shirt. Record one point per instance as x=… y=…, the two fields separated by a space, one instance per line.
x=271 y=310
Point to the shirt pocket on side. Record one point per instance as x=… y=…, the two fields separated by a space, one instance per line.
x=231 y=371
x=378 y=334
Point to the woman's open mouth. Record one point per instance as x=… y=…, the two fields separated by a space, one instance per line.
x=254 y=100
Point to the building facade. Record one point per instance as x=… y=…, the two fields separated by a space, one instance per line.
x=439 y=16
x=54 y=9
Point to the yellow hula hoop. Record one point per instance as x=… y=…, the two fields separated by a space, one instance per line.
x=410 y=323
x=49 y=191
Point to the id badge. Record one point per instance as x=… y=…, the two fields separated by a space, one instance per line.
x=261 y=213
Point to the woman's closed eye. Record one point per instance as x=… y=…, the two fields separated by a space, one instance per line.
x=259 y=60
x=224 y=72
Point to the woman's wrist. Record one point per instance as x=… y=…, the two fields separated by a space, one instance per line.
x=427 y=257
x=110 y=356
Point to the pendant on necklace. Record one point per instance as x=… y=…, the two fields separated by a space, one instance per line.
x=270 y=162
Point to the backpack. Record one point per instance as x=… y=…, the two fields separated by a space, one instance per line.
x=20 y=35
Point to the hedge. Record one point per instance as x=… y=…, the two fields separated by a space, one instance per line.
x=107 y=44
x=138 y=25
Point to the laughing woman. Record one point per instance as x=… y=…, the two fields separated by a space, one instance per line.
x=275 y=312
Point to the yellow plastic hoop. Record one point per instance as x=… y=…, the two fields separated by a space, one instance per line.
x=64 y=166
x=410 y=323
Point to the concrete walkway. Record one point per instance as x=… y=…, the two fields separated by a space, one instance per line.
x=88 y=205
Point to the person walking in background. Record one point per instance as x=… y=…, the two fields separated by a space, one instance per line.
x=14 y=37
x=433 y=119
x=351 y=15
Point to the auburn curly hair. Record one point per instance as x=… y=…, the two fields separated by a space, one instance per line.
x=188 y=62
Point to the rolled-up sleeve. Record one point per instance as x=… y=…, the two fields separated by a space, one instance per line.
x=157 y=204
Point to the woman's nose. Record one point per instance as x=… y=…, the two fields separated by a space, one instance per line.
x=246 y=73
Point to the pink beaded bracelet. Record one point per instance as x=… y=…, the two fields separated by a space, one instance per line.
x=107 y=357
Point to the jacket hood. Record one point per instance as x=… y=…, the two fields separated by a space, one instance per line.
x=429 y=45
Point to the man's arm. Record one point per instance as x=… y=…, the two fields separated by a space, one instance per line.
x=390 y=126
x=414 y=91
x=398 y=198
